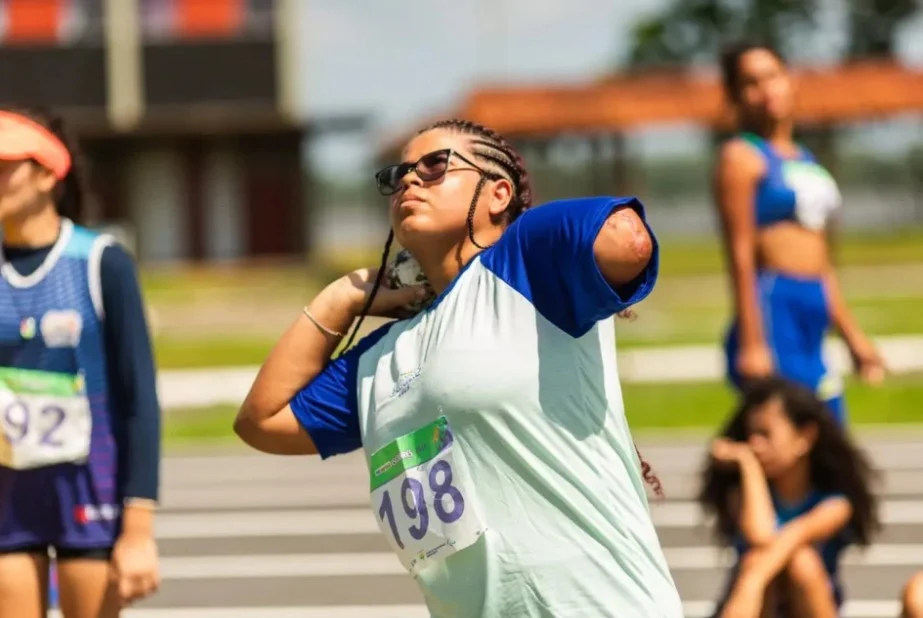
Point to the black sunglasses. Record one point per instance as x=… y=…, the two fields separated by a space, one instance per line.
x=430 y=167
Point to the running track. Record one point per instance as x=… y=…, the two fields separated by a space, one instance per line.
x=252 y=536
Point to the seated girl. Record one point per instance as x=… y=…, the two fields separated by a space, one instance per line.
x=790 y=492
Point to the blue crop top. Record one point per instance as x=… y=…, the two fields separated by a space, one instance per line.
x=793 y=189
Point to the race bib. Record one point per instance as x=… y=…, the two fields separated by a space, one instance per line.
x=424 y=505
x=44 y=417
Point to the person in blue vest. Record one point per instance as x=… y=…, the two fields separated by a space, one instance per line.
x=777 y=205
x=790 y=491
x=80 y=419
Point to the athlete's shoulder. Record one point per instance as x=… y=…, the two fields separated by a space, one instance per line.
x=116 y=264
x=744 y=145
x=85 y=243
x=740 y=155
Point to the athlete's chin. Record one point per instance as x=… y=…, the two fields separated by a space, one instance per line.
x=778 y=110
x=417 y=226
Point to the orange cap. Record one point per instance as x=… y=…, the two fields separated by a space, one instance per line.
x=22 y=138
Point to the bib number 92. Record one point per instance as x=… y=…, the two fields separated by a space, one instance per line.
x=42 y=430
x=42 y=426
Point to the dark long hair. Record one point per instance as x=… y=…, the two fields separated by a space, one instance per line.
x=730 y=63
x=836 y=464
x=70 y=195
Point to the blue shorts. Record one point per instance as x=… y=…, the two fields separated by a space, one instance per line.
x=796 y=318
x=65 y=506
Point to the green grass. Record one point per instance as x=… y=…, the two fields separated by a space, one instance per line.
x=678 y=256
x=212 y=351
x=649 y=407
x=661 y=321
x=234 y=311
x=676 y=321
x=199 y=425
x=193 y=284
x=695 y=405
x=703 y=256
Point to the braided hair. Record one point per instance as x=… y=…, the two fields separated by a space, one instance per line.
x=500 y=160
x=498 y=157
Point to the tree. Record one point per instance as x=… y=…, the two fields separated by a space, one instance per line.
x=874 y=25
x=690 y=31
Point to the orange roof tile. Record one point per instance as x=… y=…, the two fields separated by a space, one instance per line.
x=623 y=102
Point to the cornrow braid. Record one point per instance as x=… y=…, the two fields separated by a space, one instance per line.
x=491 y=147
x=375 y=287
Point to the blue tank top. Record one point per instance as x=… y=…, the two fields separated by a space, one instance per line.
x=59 y=450
x=829 y=550
x=793 y=189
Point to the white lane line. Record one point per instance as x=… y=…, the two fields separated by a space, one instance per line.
x=691 y=609
x=320 y=522
x=341 y=611
x=850 y=609
x=380 y=563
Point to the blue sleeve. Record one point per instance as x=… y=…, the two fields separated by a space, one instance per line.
x=547 y=255
x=132 y=381
x=328 y=406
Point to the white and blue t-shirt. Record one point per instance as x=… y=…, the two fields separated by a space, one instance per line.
x=502 y=469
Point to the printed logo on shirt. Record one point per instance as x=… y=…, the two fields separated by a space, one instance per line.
x=404 y=381
x=61 y=329
x=86 y=513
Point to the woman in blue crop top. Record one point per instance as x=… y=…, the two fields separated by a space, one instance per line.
x=775 y=204
x=790 y=492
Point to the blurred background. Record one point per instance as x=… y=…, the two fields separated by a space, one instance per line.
x=232 y=146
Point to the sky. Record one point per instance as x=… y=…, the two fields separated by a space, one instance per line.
x=407 y=60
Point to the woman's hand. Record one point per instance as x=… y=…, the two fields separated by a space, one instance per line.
x=868 y=362
x=754 y=361
x=135 y=566
x=728 y=452
x=388 y=302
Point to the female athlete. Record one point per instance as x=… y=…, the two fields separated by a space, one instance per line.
x=78 y=406
x=775 y=203
x=502 y=470
x=790 y=493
